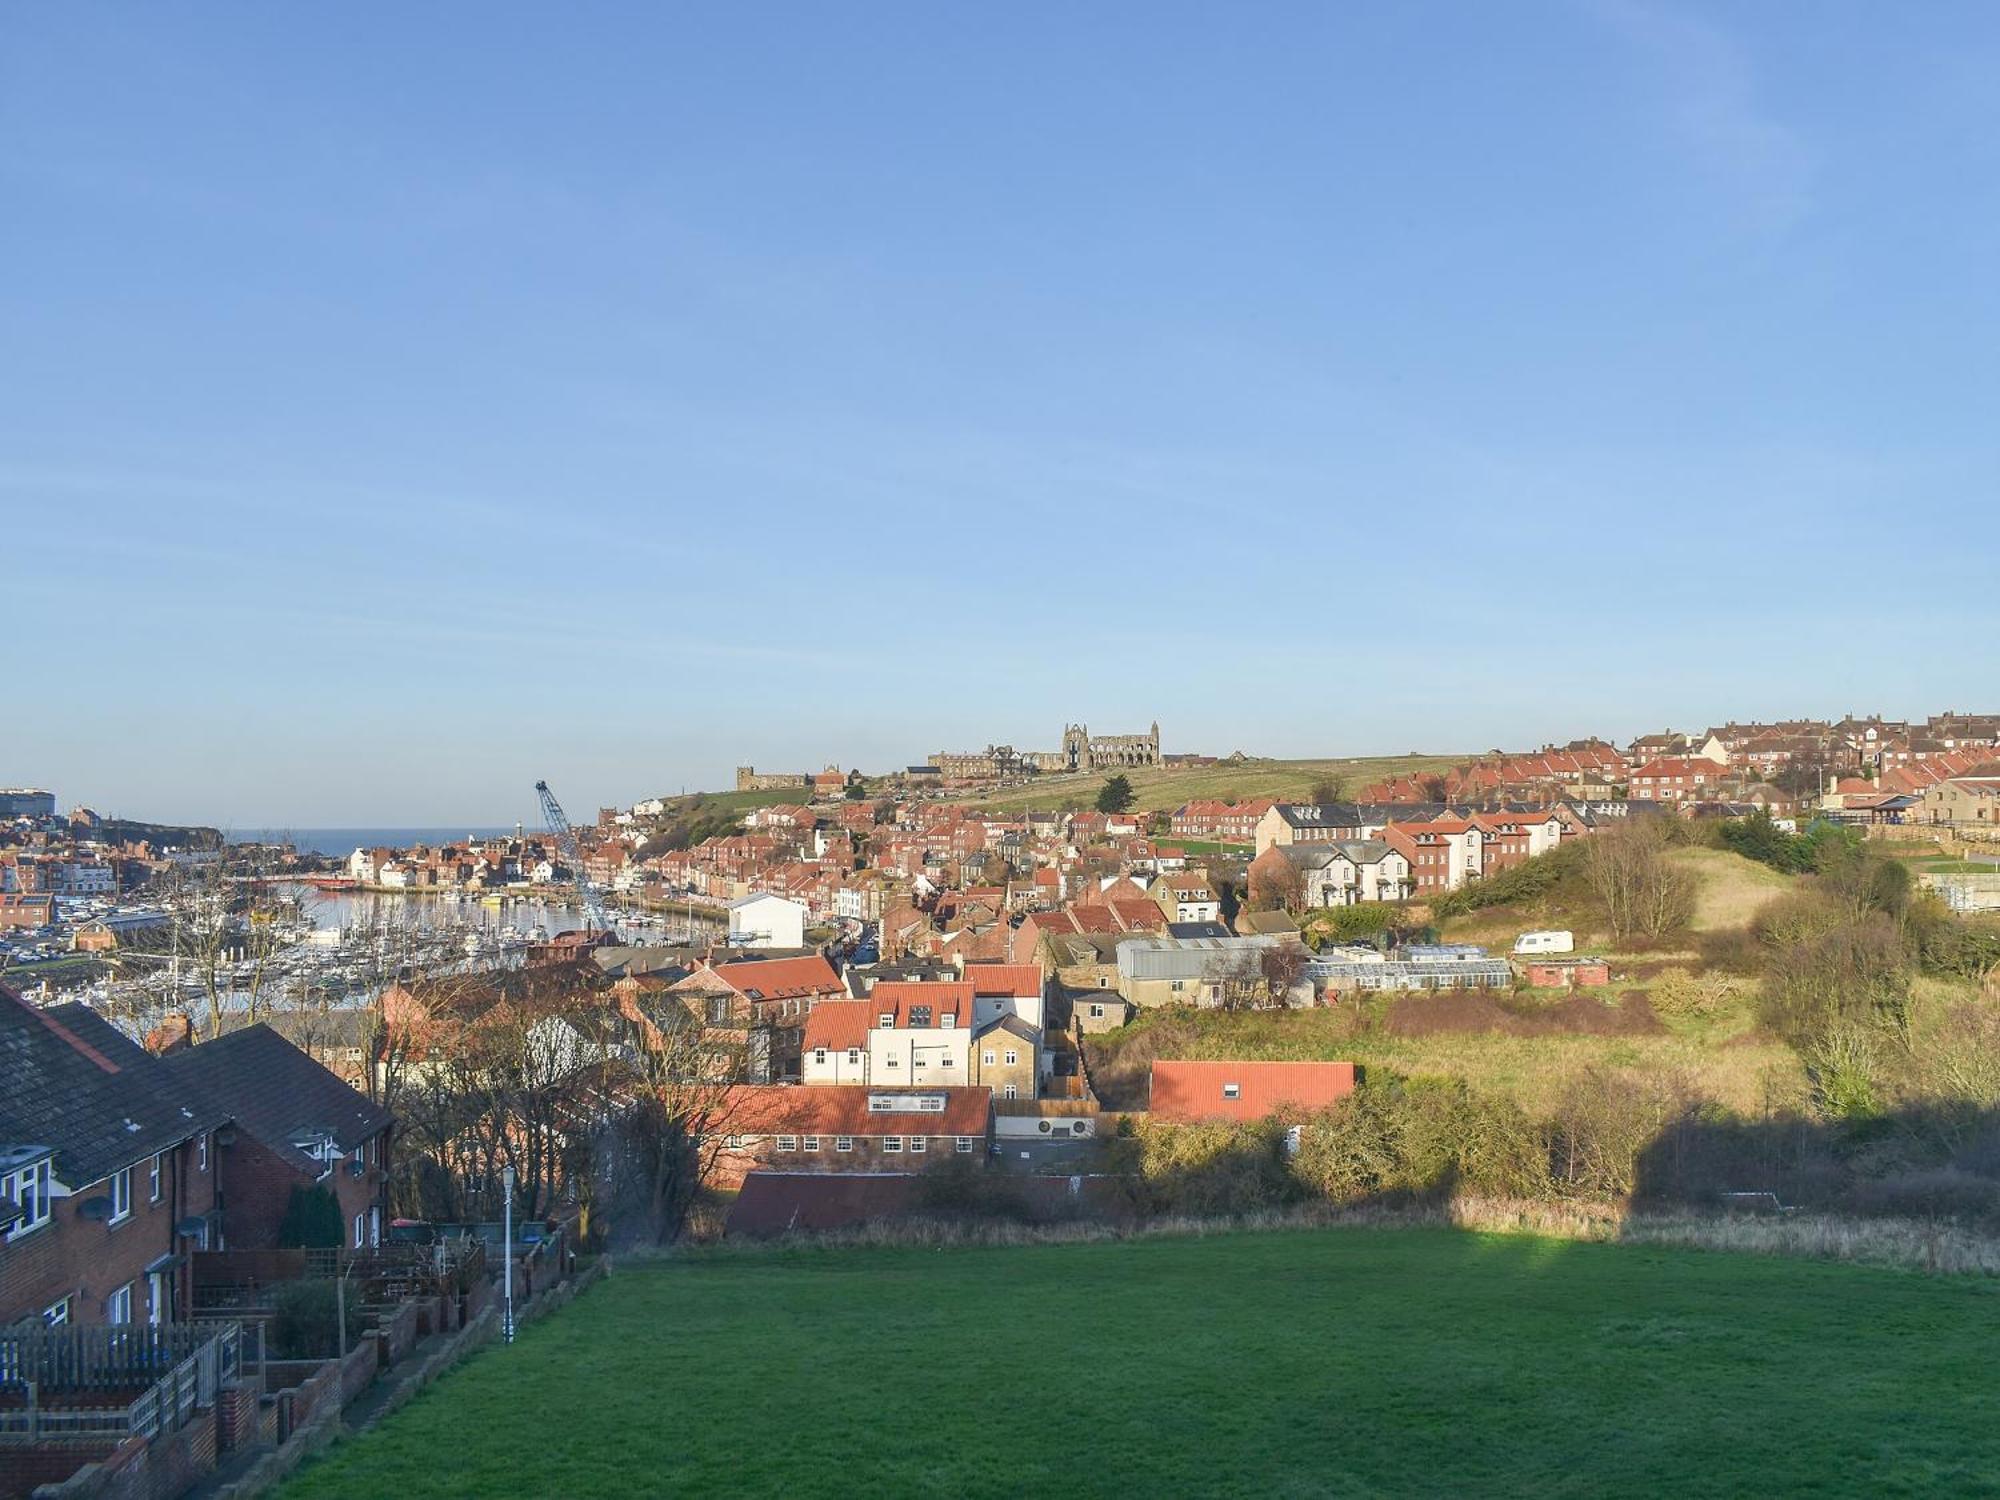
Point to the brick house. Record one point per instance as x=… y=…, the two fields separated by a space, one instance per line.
x=848 y=1128
x=1675 y=779
x=294 y=1125
x=770 y=997
x=109 y=1163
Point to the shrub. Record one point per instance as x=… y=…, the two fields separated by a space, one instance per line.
x=1678 y=992
x=305 y=1322
x=312 y=1221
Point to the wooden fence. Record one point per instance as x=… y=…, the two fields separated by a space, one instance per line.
x=112 y=1382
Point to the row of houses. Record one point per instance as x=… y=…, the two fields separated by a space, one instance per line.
x=119 y=1163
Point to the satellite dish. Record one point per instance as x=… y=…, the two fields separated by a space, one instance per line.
x=94 y=1210
x=192 y=1228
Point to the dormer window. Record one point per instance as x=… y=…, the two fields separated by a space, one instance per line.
x=948 y=1020
x=888 y=1019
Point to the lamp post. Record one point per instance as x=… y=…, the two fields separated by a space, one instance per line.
x=507 y=1252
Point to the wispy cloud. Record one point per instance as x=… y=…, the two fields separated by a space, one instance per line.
x=1714 y=108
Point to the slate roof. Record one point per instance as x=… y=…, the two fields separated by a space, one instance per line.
x=277 y=1093
x=77 y=1085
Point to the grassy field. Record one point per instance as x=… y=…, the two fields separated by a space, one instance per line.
x=1169 y=788
x=1732 y=890
x=1337 y=1362
x=1721 y=1052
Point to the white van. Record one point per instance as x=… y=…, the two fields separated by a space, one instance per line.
x=1545 y=942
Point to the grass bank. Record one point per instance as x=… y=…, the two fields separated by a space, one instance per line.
x=1386 y=1361
x=1166 y=788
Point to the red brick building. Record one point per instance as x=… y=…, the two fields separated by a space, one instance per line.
x=294 y=1125
x=107 y=1172
x=848 y=1128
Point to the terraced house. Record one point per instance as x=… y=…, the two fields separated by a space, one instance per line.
x=119 y=1167
x=108 y=1176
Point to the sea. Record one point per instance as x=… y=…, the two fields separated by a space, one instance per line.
x=341 y=842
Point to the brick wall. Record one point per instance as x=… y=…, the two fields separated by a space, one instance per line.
x=87 y=1261
x=21 y=1469
x=257 y=1186
x=162 y=1469
x=732 y=1165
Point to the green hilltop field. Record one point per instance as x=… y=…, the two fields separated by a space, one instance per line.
x=1332 y=1362
x=1166 y=788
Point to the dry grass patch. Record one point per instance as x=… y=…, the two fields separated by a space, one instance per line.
x=1733 y=889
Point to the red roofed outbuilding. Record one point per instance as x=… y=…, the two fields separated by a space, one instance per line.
x=1184 y=1093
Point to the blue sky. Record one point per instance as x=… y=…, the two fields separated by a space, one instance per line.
x=401 y=403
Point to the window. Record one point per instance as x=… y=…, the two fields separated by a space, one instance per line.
x=892 y=1144
x=733 y=1142
x=843 y=1143
x=963 y=1145
x=854 y=1054
x=986 y=1058
x=1013 y=1057
x=887 y=1019
x=153 y=1179
x=1009 y=1092
x=121 y=1196
x=201 y=1152
x=812 y=1143
x=118 y=1306
x=919 y=1144
x=360 y=1231
x=29 y=1188
x=890 y=1062
x=948 y=1020
x=788 y=1143
x=1097 y=1012
x=819 y=1057
x=56 y=1314
x=1232 y=1091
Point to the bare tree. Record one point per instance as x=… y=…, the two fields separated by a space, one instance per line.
x=1642 y=891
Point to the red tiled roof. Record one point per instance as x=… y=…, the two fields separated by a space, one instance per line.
x=842 y=1109
x=1184 y=1092
x=778 y=978
x=945 y=997
x=1004 y=979
x=839 y=1024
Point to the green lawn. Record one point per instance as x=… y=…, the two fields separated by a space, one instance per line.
x=1166 y=788
x=1339 y=1362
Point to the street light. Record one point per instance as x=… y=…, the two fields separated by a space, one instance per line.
x=507 y=1251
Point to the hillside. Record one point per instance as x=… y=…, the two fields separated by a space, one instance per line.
x=1167 y=788
x=1339 y=1361
x=1527 y=1046
x=1732 y=890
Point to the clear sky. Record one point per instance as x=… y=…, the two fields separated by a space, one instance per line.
x=402 y=402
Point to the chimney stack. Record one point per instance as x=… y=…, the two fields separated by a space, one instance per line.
x=173 y=1034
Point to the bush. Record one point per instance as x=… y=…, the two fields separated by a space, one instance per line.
x=1420 y=1139
x=313 y=1220
x=1522 y=884
x=1349 y=924
x=305 y=1321
x=1677 y=992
